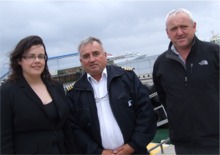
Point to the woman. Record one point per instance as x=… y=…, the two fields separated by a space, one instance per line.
x=34 y=109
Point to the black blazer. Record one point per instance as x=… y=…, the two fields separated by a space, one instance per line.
x=26 y=127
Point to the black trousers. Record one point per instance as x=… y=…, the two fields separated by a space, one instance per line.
x=194 y=150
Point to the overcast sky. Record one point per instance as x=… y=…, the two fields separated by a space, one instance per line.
x=122 y=25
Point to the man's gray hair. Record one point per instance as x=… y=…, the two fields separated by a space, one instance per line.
x=177 y=11
x=88 y=40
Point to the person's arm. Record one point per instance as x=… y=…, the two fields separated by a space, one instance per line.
x=107 y=152
x=70 y=140
x=124 y=149
x=157 y=84
x=7 y=145
x=145 y=128
x=83 y=141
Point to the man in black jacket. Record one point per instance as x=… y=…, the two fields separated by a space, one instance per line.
x=110 y=106
x=186 y=77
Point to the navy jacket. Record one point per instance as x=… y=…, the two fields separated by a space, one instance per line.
x=190 y=93
x=26 y=127
x=137 y=122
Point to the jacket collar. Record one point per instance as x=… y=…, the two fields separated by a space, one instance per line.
x=172 y=55
x=195 y=40
x=57 y=100
x=28 y=91
x=112 y=72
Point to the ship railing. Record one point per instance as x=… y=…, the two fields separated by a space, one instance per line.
x=162 y=119
x=164 y=141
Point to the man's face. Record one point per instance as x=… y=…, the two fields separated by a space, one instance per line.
x=181 y=30
x=93 y=59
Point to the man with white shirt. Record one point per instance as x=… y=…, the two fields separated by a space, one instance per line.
x=110 y=106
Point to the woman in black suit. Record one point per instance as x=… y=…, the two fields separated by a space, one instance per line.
x=34 y=109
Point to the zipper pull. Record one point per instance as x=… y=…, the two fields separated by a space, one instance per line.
x=191 y=67
x=186 y=81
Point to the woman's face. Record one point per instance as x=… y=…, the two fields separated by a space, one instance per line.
x=33 y=62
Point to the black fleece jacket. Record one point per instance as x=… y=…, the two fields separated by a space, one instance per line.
x=190 y=93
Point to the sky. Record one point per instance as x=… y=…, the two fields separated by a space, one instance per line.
x=122 y=25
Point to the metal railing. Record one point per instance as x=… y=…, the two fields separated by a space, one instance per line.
x=164 y=141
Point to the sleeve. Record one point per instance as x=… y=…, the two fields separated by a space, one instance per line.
x=84 y=144
x=145 y=128
x=6 y=121
x=70 y=140
x=157 y=84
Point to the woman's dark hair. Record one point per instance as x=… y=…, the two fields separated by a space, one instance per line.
x=21 y=49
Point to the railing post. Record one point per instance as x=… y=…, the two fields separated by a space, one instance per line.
x=161 y=145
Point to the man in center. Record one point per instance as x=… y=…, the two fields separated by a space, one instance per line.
x=110 y=106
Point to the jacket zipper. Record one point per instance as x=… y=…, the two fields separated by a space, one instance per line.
x=186 y=79
x=191 y=67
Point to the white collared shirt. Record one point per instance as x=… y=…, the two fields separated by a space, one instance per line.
x=110 y=132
